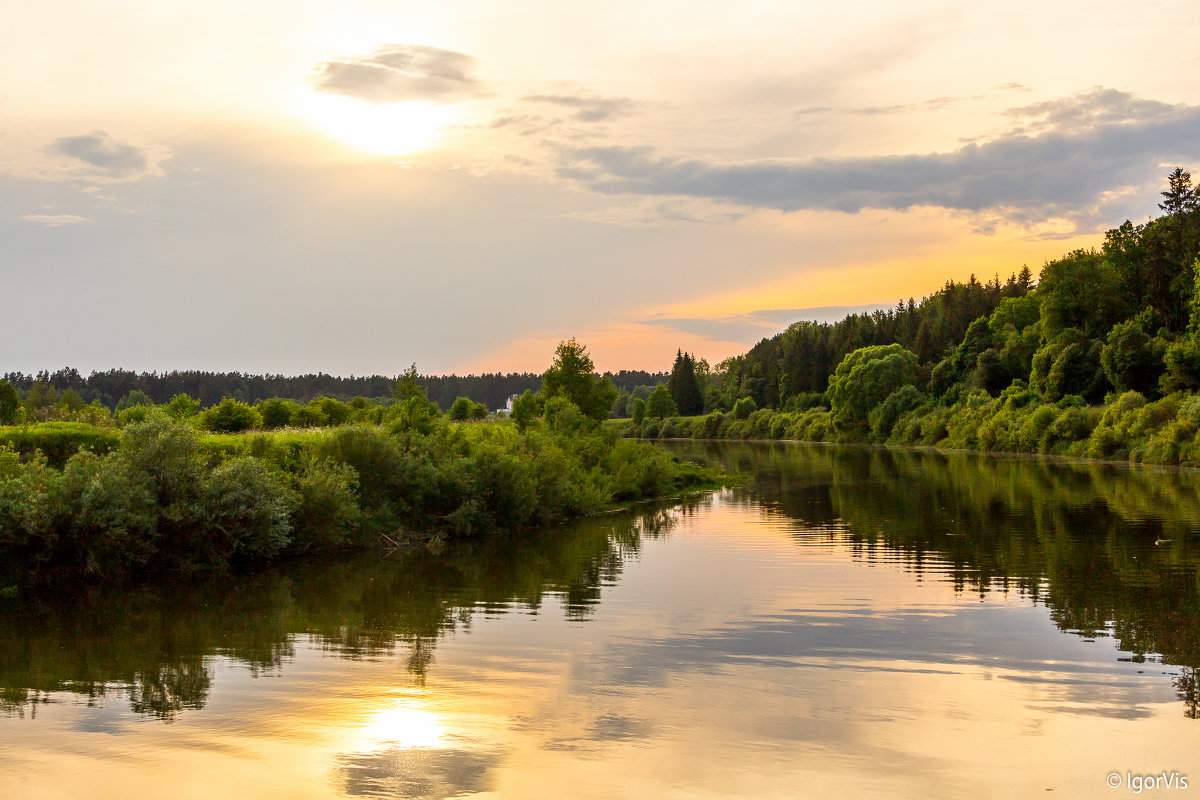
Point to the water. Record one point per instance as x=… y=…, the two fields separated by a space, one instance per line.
x=851 y=622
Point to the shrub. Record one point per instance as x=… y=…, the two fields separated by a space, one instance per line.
x=882 y=418
x=639 y=411
x=744 y=407
x=277 y=412
x=309 y=416
x=182 y=406
x=248 y=508
x=107 y=520
x=864 y=378
x=230 y=416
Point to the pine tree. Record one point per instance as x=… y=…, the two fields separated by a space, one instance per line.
x=683 y=385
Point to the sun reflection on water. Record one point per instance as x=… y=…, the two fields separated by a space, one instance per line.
x=406 y=725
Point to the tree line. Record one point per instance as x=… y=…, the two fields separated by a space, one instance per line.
x=1100 y=358
x=111 y=387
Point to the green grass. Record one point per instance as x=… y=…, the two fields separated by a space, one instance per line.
x=59 y=440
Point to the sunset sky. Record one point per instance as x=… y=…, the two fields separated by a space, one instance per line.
x=354 y=186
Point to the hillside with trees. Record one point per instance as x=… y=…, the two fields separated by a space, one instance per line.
x=1100 y=357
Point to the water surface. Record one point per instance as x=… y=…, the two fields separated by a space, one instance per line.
x=850 y=622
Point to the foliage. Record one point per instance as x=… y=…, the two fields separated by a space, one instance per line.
x=10 y=401
x=572 y=375
x=230 y=416
x=277 y=412
x=661 y=404
x=1132 y=360
x=525 y=410
x=684 y=386
x=744 y=407
x=865 y=378
x=182 y=406
x=464 y=408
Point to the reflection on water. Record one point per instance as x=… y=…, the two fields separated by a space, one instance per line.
x=851 y=621
x=1111 y=551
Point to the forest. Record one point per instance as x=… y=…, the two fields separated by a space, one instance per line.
x=110 y=387
x=1097 y=357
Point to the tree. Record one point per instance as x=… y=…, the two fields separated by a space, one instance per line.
x=136 y=397
x=1180 y=197
x=277 y=412
x=683 y=385
x=661 y=404
x=865 y=378
x=10 y=401
x=40 y=400
x=524 y=410
x=639 y=411
x=412 y=409
x=408 y=385
x=182 y=406
x=1131 y=358
x=463 y=408
x=573 y=375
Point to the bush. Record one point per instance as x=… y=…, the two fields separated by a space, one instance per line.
x=182 y=406
x=106 y=517
x=744 y=407
x=230 y=416
x=864 y=378
x=277 y=412
x=60 y=440
x=883 y=417
x=248 y=508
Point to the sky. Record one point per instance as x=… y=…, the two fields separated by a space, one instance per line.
x=352 y=187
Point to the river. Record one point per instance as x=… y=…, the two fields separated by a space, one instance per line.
x=849 y=622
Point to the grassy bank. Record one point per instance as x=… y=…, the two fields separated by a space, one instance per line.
x=161 y=495
x=1129 y=427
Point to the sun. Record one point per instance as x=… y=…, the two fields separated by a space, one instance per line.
x=389 y=130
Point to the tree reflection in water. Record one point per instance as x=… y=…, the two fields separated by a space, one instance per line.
x=1108 y=550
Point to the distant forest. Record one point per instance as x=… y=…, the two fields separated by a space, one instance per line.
x=1124 y=317
x=490 y=389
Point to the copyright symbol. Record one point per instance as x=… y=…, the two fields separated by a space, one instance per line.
x=1113 y=780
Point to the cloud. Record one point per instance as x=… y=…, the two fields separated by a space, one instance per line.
x=55 y=220
x=752 y=326
x=1092 y=109
x=933 y=104
x=588 y=108
x=394 y=73
x=105 y=158
x=658 y=211
x=1090 y=146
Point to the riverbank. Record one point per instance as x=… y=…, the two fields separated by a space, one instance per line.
x=161 y=495
x=1129 y=428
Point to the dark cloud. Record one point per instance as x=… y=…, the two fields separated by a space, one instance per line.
x=1093 y=109
x=395 y=73
x=104 y=154
x=586 y=107
x=1084 y=147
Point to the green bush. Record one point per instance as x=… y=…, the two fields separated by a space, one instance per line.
x=182 y=406
x=864 y=378
x=744 y=407
x=277 y=412
x=882 y=418
x=248 y=508
x=60 y=440
x=230 y=416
